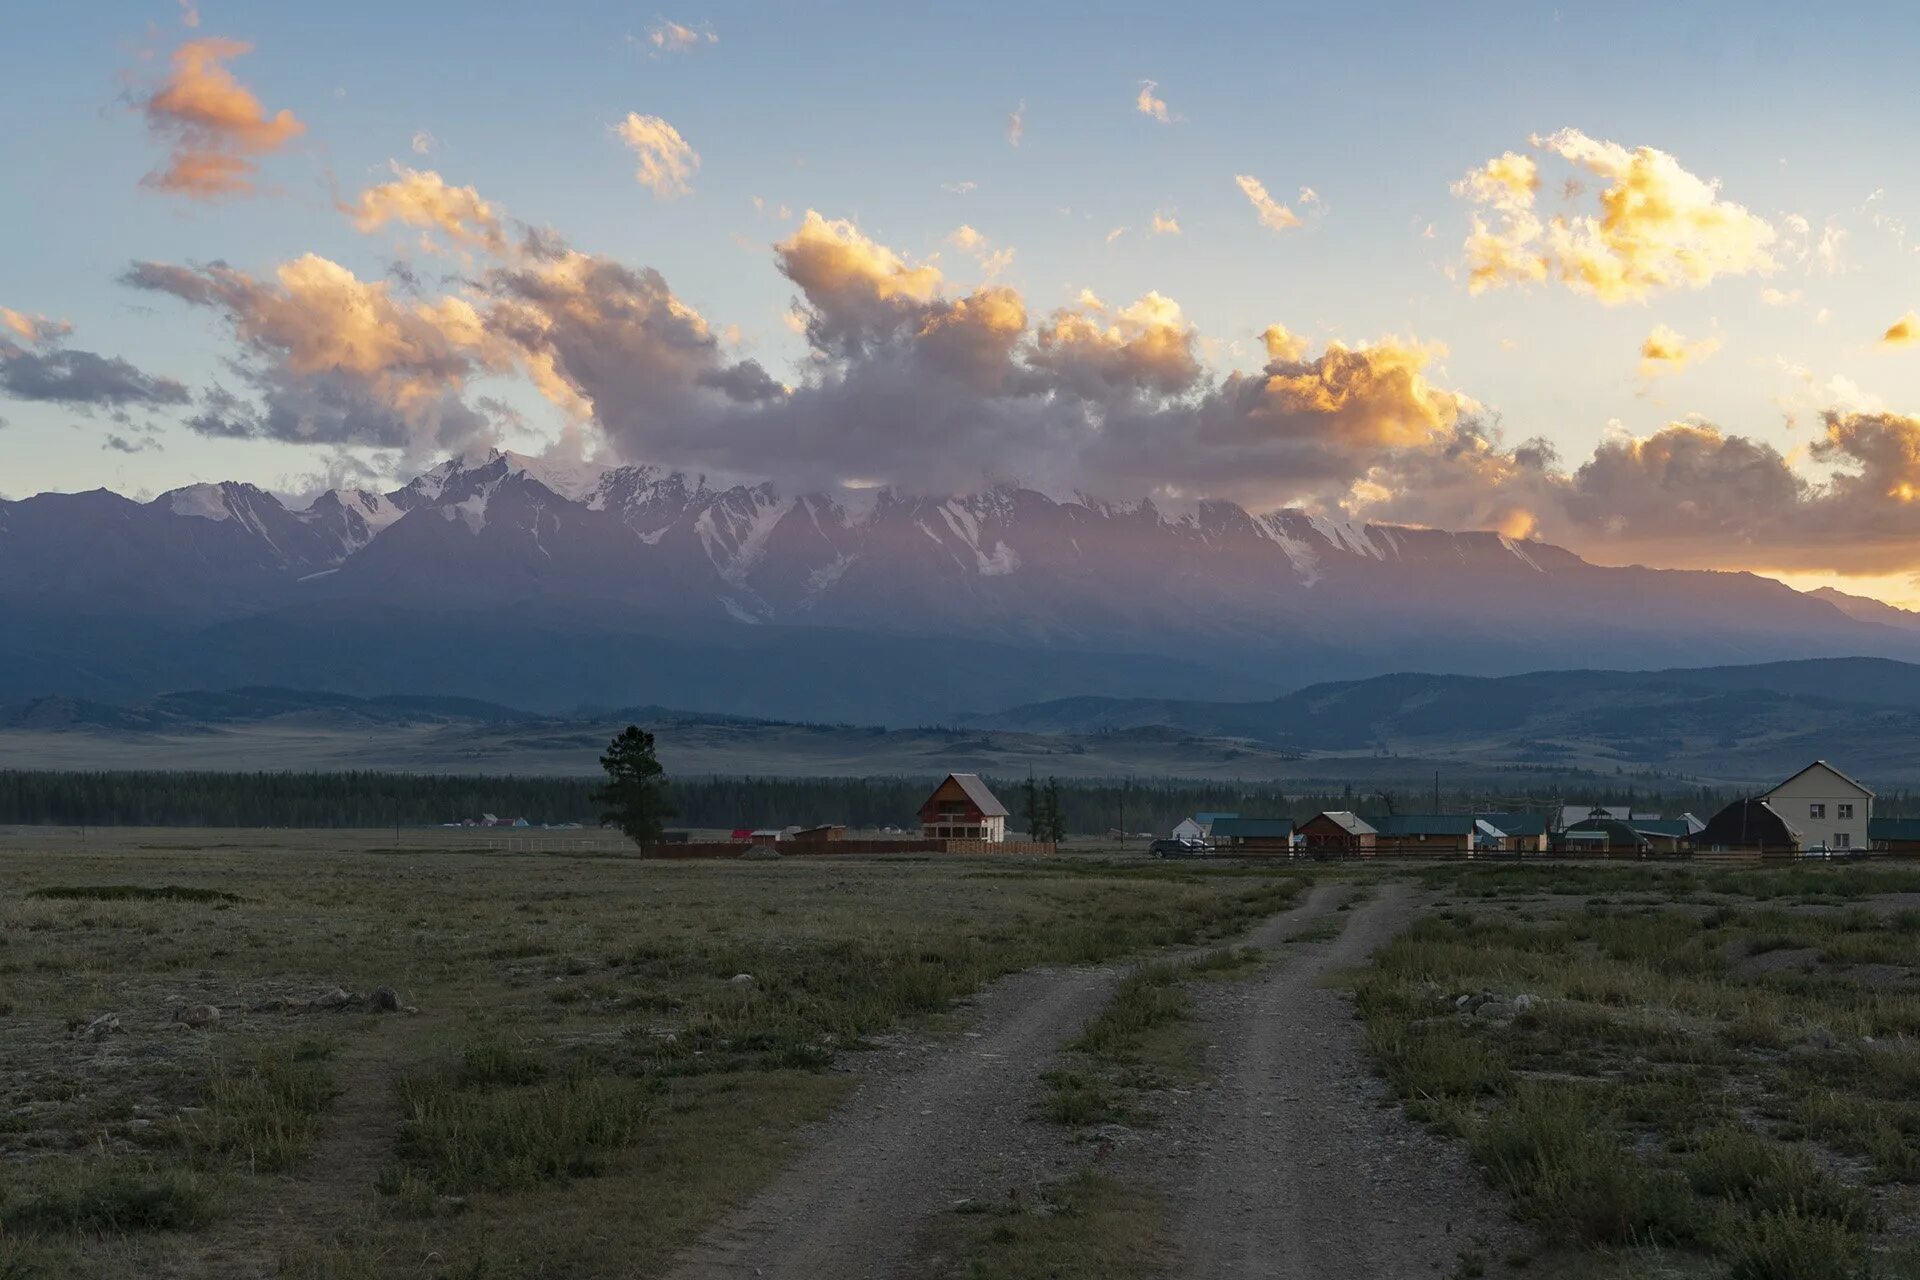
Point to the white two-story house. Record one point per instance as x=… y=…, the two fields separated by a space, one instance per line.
x=1828 y=808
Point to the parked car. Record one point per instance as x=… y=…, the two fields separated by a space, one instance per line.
x=1174 y=847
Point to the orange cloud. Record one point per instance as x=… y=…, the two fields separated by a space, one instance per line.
x=676 y=37
x=1665 y=351
x=216 y=128
x=1165 y=225
x=33 y=329
x=1273 y=215
x=1659 y=226
x=667 y=162
x=422 y=198
x=1149 y=105
x=1903 y=332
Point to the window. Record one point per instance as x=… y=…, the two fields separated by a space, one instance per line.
x=1842 y=839
x=1816 y=811
x=1843 y=811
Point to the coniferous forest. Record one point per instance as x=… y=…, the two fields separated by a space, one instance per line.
x=365 y=799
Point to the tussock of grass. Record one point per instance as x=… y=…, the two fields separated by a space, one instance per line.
x=1789 y=1244
x=133 y=893
x=493 y=1063
x=458 y=1139
x=108 y=1195
x=1565 y=1169
x=261 y=1112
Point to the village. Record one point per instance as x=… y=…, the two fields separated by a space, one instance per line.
x=1819 y=812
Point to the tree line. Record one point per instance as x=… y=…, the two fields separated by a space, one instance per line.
x=367 y=799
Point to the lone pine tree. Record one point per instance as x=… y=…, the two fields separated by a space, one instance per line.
x=635 y=796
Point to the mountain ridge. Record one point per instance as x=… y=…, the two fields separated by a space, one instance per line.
x=560 y=584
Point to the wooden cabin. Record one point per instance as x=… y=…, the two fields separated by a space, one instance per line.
x=963 y=808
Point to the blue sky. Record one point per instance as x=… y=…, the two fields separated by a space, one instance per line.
x=875 y=114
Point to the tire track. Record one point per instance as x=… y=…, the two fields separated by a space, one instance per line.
x=1295 y=1165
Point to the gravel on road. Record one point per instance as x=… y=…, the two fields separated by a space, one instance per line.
x=1295 y=1164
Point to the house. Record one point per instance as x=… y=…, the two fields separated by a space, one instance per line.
x=1831 y=810
x=1749 y=826
x=1577 y=813
x=963 y=808
x=1895 y=835
x=1434 y=832
x=1199 y=826
x=1253 y=835
x=1336 y=833
x=1606 y=835
x=1525 y=832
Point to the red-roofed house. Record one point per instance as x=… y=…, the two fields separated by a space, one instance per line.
x=962 y=808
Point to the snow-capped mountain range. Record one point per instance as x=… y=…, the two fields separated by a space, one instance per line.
x=549 y=585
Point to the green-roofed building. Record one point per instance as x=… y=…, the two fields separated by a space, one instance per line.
x=1267 y=836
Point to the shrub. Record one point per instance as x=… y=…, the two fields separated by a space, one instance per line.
x=111 y=1196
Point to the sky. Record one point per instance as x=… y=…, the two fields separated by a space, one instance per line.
x=1637 y=280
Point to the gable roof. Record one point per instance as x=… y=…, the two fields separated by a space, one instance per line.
x=976 y=792
x=1252 y=827
x=1516 y=824
x=1352 y=823
x=1821 y=764
x=1211 y=816
x=1669 y=828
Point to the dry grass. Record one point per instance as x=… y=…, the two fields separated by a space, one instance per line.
x=1666 y=1095
x=582 y=1048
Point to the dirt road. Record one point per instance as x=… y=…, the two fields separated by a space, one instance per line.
x=1293 y=1166
x=951 y=1123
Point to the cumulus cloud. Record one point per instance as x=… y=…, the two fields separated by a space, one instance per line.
x=1665 y=351
x=1904 y=332
x=1017 y=124
x=422 y=198
x=1148 y=104
x=337 y=360
x=36 y=365
x=215 y=128
x=1658 y=226
x=676 y=37
x=423 y=142
x=1273 y=215
x=1165 y=225
x=667 y=162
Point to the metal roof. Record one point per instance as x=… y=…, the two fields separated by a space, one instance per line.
x=1893 y=828
x=977 y=791
x=1352 y=823
x=1424 y=824
x=1516 y=824
x=1212 y=817
x=1255 y=828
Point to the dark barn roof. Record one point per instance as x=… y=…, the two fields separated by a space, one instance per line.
x=1748 y=824
x=1893 y=828
x=1252 y=828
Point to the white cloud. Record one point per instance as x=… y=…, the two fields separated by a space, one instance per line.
x=667 y=162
